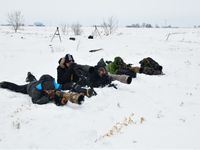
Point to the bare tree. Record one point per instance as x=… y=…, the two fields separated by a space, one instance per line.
x=15 y=19
x=110 y=26
x=76 y=28
x=65 y=28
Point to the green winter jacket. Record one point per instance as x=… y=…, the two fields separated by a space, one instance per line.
x=117 y=64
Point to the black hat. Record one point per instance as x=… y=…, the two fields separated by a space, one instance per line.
x=101 y=63
x=69 y=58
x=47 y=82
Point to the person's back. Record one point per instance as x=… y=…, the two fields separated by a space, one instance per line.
x=65 y=72
x=149 y=62
x=119 y=67
x=36 y=89
x=150 y=66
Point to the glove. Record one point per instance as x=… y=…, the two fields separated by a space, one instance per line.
x=105 y=80
x=50 y=93
x=59 y=98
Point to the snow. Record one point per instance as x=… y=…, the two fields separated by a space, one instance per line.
x=166 y=108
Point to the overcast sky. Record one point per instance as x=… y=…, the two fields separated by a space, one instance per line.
x=90 y=12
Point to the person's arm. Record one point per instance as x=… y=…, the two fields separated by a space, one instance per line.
x=95 y=81
x=42 y=100
x=38 y=97
x=63 y=75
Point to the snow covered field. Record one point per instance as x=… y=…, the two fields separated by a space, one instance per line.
x=153 y=112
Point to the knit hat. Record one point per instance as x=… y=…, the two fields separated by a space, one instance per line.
x=47 y=82
x=69 y=58
x=118 y=61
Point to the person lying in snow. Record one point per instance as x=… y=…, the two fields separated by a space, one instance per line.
x=148 y=66
x=99 y=77
x=75 y=76
x=70 y=74
x=118 y=66
x=44 y=90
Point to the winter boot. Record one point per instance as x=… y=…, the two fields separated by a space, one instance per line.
x=4 y=85
x=1 y=84
x=30 y=77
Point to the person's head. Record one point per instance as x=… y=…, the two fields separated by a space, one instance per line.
x=47 y=83
x=101 y=71
x=118 y=61
x=69 y=60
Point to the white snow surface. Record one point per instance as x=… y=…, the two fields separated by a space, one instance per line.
x=166 y=108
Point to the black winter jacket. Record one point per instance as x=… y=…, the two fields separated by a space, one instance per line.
x=72 y=73
x=38 y=96
x=83 y=75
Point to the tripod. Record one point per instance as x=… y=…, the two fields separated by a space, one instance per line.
x=96 y=31
x=56 y=33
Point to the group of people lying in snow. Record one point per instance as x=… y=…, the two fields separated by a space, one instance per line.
x=80 y=80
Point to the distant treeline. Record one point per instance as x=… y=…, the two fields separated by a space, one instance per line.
x=148 y=25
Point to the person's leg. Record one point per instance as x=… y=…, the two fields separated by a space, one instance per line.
x=30 y=77
x=14 y=87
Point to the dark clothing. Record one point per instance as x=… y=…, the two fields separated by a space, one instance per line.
x=150 y=67
x=82 y=75
x=66 y=75
x=119 y=67
x=94 y=80
x=37 y=95
x=71 y=74
x=15 y=87
x=127 y=72
x=150 y=71
x=68 y=86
